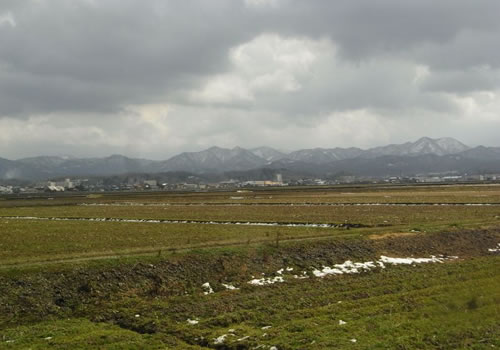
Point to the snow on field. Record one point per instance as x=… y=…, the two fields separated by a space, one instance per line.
x=349 y=267
x=409 y=261
x=346 y=267
x=495 y=250
x=303 y=276
x=287 y=269
x=208 y=288
x=164 y=221
x=266 y=281
x=192 y=322
x=229 y=286
x=221 y=339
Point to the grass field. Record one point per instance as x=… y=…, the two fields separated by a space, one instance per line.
x=121 y=285
x=368 y=215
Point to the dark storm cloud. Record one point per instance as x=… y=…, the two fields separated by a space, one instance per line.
x=144 y=76
x=94 y=55
x=379 y=27
x=84 y=55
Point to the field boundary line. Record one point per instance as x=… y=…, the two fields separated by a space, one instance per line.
x=165 y=249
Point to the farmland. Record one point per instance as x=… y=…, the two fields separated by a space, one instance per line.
x=172 y=270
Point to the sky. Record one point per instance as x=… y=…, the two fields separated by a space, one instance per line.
x=155 y=78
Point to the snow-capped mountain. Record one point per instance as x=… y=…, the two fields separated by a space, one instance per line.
x=425 y=153
x=325 y=155
x=213 y=159
x=268 y=153
x=424 y=145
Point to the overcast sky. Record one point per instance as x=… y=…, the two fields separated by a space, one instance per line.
x=155 y=78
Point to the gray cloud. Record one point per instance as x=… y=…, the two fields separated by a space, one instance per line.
x=97 y=56
x=464 y=81
x=220 y=66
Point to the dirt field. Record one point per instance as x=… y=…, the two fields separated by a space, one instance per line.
x=427 y=280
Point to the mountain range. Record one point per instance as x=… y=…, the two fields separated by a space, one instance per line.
x=425 y=155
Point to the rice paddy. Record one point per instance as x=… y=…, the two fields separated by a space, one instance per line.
x=268 y=269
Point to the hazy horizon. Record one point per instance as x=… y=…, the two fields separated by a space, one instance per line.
x=286 y=151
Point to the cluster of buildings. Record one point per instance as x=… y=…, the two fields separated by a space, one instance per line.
x=437 y=178
x=58 y=186
x=141 y=184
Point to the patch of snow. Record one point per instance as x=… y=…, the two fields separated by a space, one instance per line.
x=326 y=271
x=349 y=267
x=409 y=261
x=341 y=323
x=47 y=338
x=266 y=281
x=495 y=250
x=303 y=276
x=208 y=288
x=221 y=339
x=165 y=221
x=353 y=340
x=229 y=286
x=266 y=327
x=137 y=315
x=193 y=322
x=244 y=338
x=273 y=348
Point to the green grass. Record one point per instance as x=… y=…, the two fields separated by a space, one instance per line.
x=23 y=241
x=368 y=215
x=83 y=334
x=91 y=300
x=441 y=306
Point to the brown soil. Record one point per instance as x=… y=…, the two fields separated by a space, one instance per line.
x=392 y=235
x=460 y=243
x=73 y=290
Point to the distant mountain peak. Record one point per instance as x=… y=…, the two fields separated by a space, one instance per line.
x=317 y=160
x=268 y=153
x=211 y=149
x=424 y=145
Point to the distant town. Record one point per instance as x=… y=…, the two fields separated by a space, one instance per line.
x=425 y=160
x=138 y=183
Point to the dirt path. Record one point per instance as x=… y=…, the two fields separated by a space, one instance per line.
x=161 y=250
